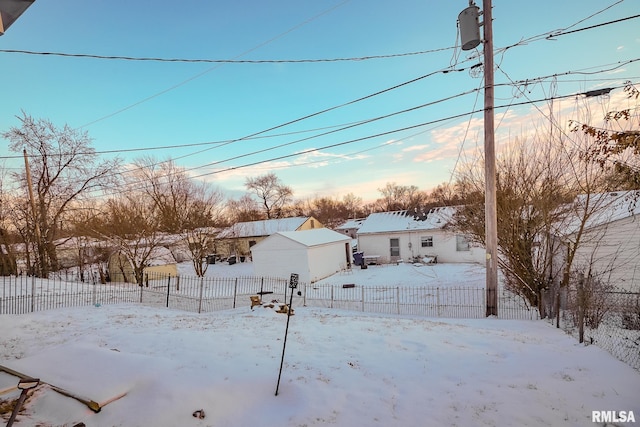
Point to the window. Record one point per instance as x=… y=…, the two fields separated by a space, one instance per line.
x=313 y=224
x=462 y=244
x=394 y=247
x=426 y=241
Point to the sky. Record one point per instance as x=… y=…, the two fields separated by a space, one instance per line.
x=227 y=121
x=157 y=366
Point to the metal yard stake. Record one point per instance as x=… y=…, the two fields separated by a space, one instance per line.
x=293 y=283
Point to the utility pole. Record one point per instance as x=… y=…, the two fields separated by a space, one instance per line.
x=491 y=215
x=470 y=35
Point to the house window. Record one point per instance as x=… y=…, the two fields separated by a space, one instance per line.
x=462 y=244
x=426 y=241
x=394 y=247
x=313 y=224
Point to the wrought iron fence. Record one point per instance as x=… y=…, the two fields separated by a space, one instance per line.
x=204 y=294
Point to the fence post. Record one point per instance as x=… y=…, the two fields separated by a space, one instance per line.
x=304 y=295
x=33 y=292
x=93 y=296
x=581 y=307
x=200 y=300
x=438 y=301
x=362 y=287
x=235 y=292
x=331 y=296
x=177 y=283
x=398 y=298
x=168 y=288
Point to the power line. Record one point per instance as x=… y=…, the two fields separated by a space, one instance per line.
x=226 y=61
x=259 y=135
x=564 y=33
x=528 y=102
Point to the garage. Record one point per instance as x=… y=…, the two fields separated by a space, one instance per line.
x=312 y=254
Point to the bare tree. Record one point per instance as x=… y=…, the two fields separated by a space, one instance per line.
x=272 y=194
x=401 y=197
x=65 y=168
x=537 y=182
x=132 y=226
x=185 y=207
x=242 y=210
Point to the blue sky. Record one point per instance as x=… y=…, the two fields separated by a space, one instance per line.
x=148 y=105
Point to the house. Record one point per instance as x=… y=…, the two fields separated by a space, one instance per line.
x=313 y=254
x=350 y=227
x=400 y=235
x=240 y=237
x=160 y=262
x=609 y=247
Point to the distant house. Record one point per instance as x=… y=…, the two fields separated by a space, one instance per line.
x=161 y=262
x=350 y=227
x=610 y=244
x=312 y=254
x=400 y=235
x=239 y=238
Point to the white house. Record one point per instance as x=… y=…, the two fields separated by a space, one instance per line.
x=399 y=235
x=609 y=247
x=312 y=254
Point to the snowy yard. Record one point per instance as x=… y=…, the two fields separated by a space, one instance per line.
x=340 y=369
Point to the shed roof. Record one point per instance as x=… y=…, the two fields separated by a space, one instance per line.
x=313 y=237
x=262 y=228
x=383 y=222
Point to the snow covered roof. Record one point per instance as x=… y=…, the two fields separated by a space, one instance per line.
x=384 y=222
x=315 y=237
x=160 y=256
x=605 y=208
x=262 y=228
x=351 y=223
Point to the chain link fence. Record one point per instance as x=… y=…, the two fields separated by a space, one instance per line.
x=596 y=314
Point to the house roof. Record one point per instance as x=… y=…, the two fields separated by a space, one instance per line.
x=351 y=223
x=262 y=228
x=605 y=208
x=384 y=222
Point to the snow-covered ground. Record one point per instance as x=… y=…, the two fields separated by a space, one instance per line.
x=443 y=275
x=340 y=368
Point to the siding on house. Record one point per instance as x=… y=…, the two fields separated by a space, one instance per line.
x=417 y=237
x=610 y=244
x=612 y=251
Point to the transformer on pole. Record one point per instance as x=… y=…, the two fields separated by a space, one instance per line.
x=470 y=38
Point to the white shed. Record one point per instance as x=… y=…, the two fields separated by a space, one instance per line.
x=312 y=254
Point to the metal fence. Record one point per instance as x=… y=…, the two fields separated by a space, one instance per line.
x=608 y=319
x=204 y=294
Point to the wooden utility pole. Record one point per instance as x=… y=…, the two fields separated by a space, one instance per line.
x=491 y=216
